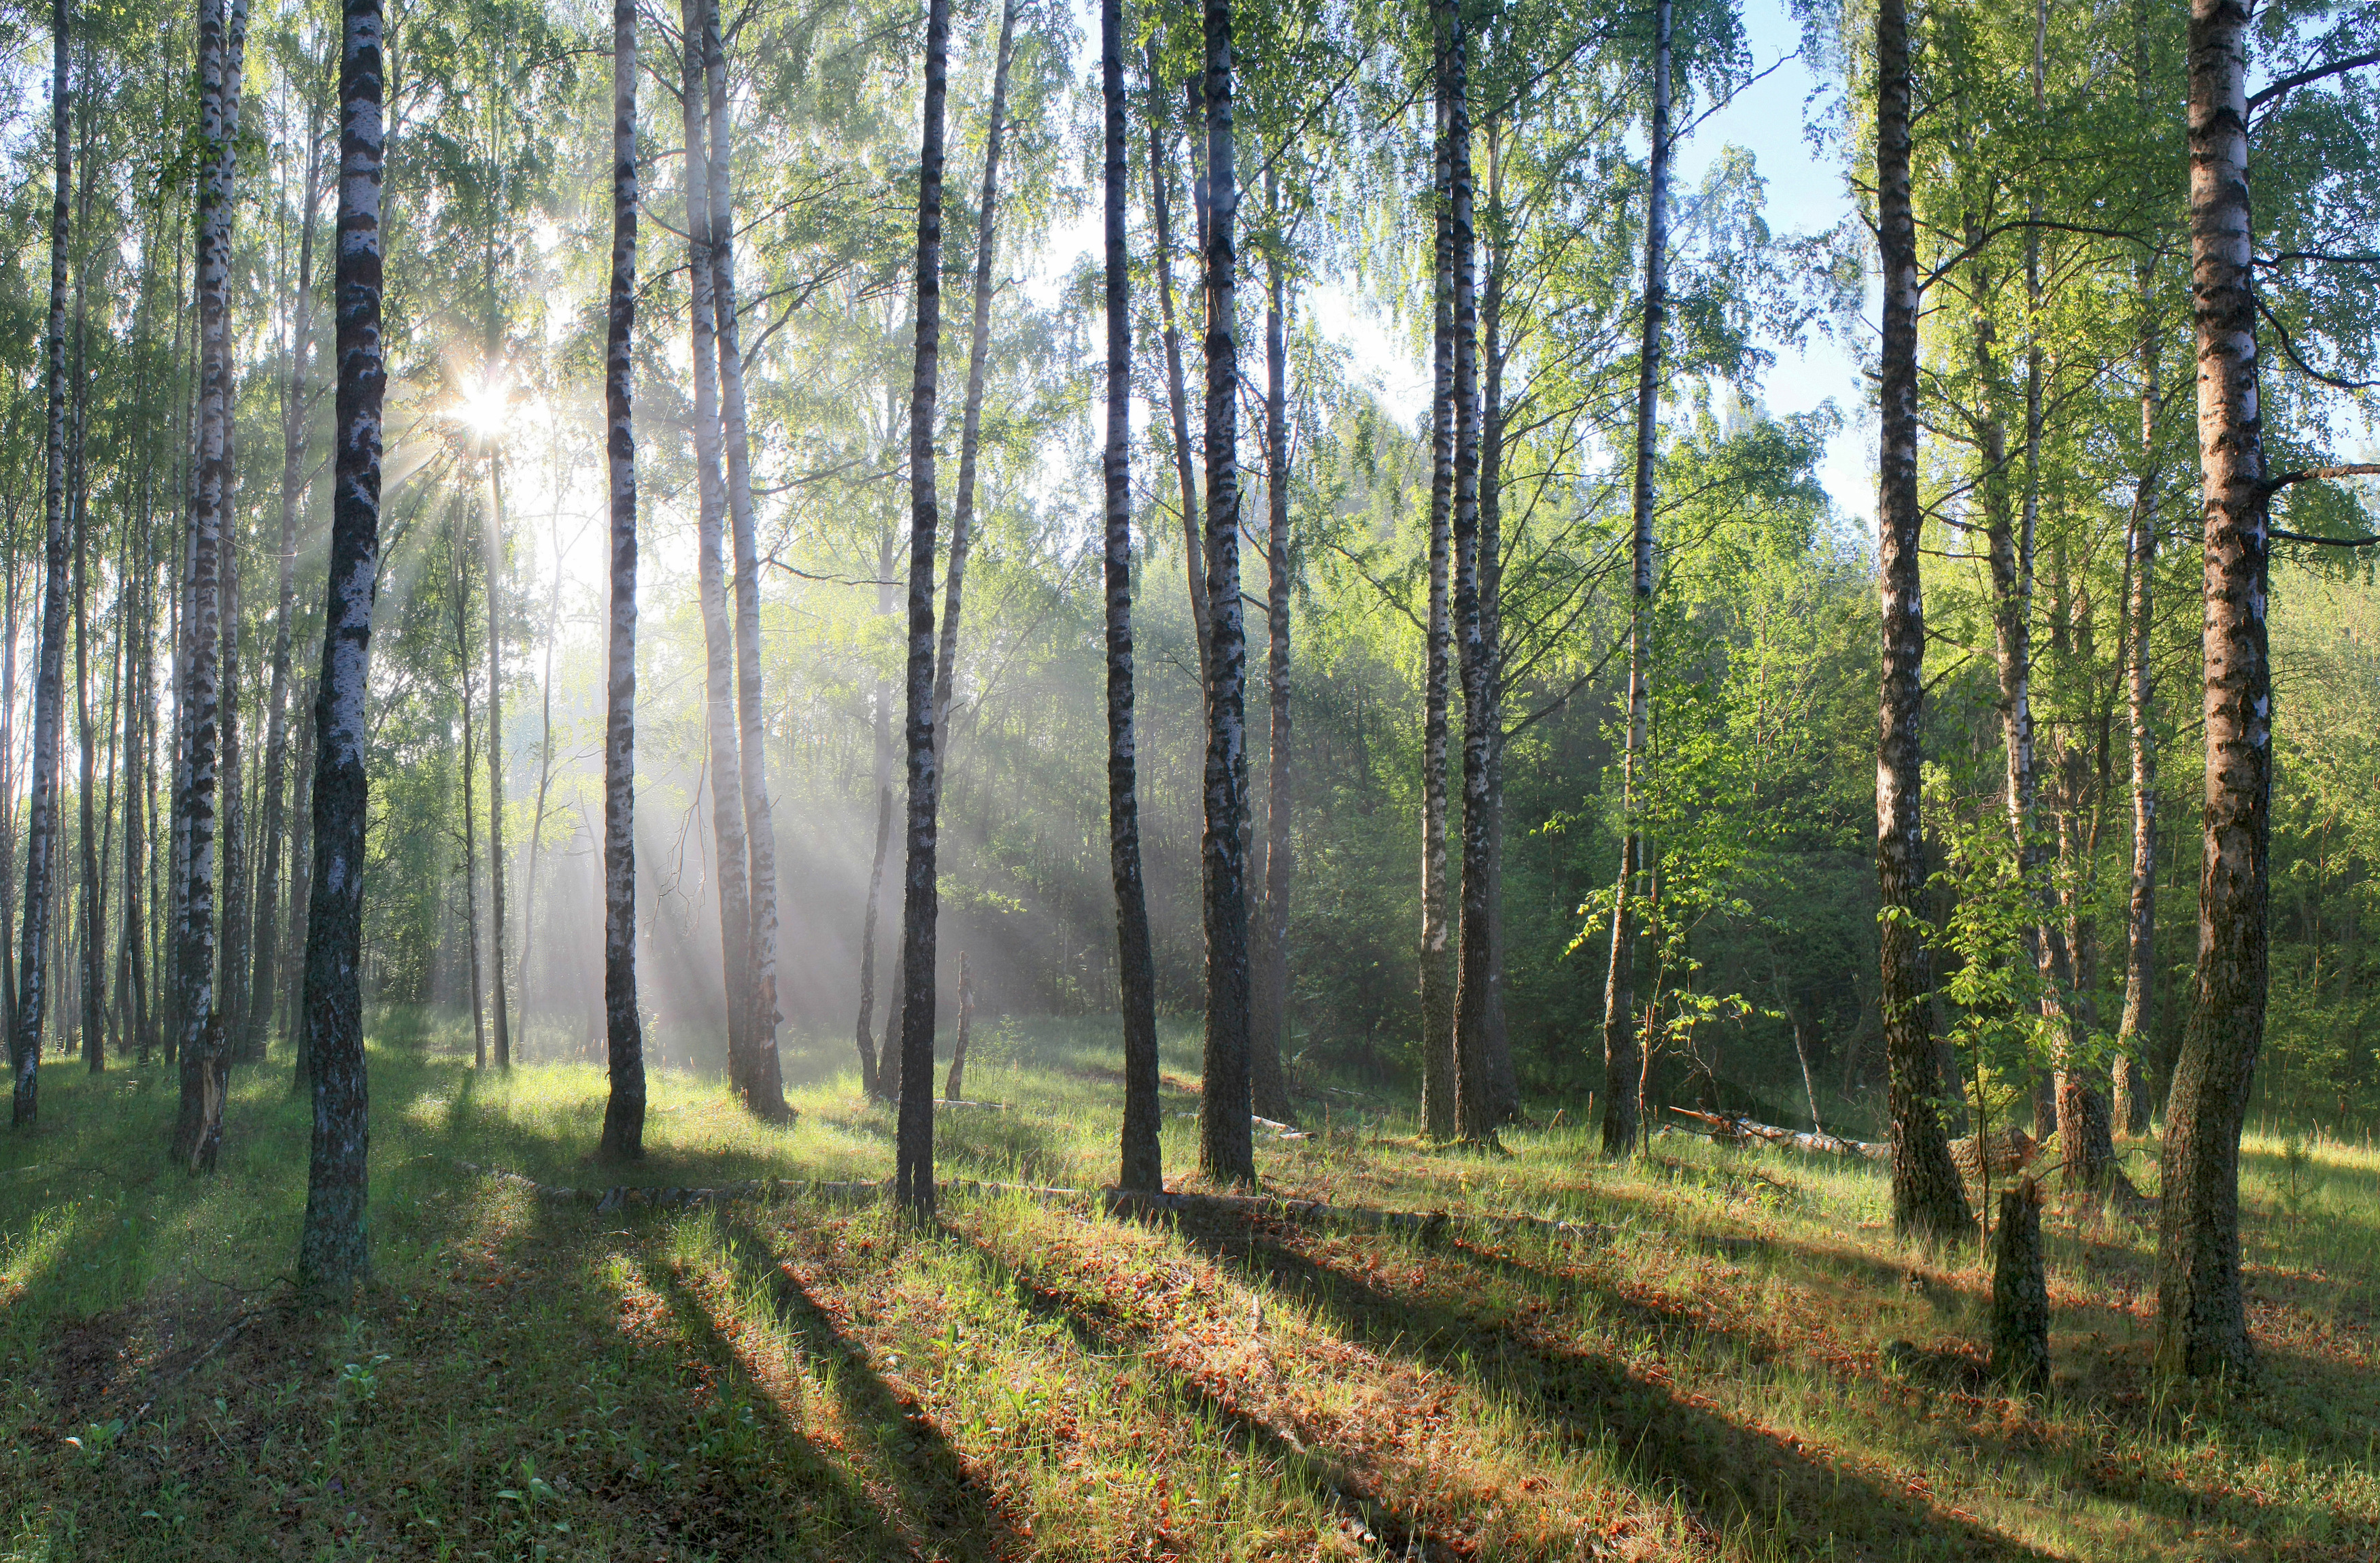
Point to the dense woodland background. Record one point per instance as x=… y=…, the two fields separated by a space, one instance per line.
x=1760 y=792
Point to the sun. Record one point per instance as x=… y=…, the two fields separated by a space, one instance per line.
x=483 y=402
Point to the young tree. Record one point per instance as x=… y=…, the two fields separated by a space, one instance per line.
x=1141 y=1165
x=1929 y=1204
x=1438 y=974
x=764 y=1083
x=624 y=1110
x=49 y=688
x=914 y=1143
x=332 y=1251
x=1227 y=1149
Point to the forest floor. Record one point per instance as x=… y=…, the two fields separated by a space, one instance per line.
x=1734 y=1363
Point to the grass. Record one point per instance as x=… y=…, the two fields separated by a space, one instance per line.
x=1741 y=1365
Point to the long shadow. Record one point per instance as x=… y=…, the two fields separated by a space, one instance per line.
x=1733 y=1477
x=1096 y=1332
x=937 y=1489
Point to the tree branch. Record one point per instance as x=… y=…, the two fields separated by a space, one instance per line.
x=2287 y=83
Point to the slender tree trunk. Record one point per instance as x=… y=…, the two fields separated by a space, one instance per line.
x=461 y=586
x=1227 y=1150
x=501 y=1012
x=2202 y=1311
x=1929 y=1204
x=89 y=910
x=1160 y=181
x=544 y=776
x=231 y=876
x=332 y=1256
x=301 y=859
x=203 y=1063
x=1477 y=1107
x=2140 y=558
x=1141 y=1162
x=869 y=1083
x=1621 y=1062
x=49 y=688
x=971 y=418
x=9 y=776
x=955 y=1083
x=914 y=1166
x=1491 y=614
x=1437 y=975
x=1269 y=1012
x=764 y=1090
x=624 y=1110
x=266 y=978
x=725 y=770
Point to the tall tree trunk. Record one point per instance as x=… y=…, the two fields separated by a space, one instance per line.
x=1269 y=1011
x=1226 y=1149
x=946 y=654
x=1437 y=975
x=1177 y=401
x=2202 y=1312
x=870 y=1081
x=49 y=688
x=725 y=769
x=203 y=1060
x=1141 y=1162
x=90 y=912
x=1478 y=1108
x=913 y=1144
x=1929 y=1204
x=1491 y=612
x=763 y=1089
x=458 y=557
x=266 y=978
x=1622 y=1063
x=231 y=876
x=330 y=1249
x=2140 y=563
x=500 y=1011
x=624 y=1110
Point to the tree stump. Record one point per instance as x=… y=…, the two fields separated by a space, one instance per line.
x=2020 y=1294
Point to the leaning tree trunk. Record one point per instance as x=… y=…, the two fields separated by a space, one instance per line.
x=1227 y=1150
x=725 y=770
x=2132 y=1107
x=332 y=1256
x=199 y=1125
x=624 y=1110
x=763 y=1081
x=261 y=983
x=946 y=654
x=2202 y=1311
x=1177 y=401
x=913 y=1140
x=1269 y=1012
x=1141 y=1165
x=1477 y=1110
x=49 y=688
x=1929 y=1204
x=1622 y=1062
x=1437 y=1085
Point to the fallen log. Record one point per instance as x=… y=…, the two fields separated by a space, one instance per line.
x=1736 y=1128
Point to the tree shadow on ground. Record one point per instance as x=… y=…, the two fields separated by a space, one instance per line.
x=942 y=1497
x=1735 y=1478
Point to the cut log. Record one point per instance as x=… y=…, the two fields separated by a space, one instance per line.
x=1735 y=1130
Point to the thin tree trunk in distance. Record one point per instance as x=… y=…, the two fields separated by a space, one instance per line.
x=624 y=1109
x=763 y=1089
x=1437 y=1082
x=1929 y=1204
x=1620 y=1037
x=2202 y=1310
x=332 y=1255
x=870 y=1083
x=458 y=557
x=1227 y=1150
x=1269 y=1013
x=725 y=771
x=262 y=985
x=2131 y=1106
x=1491 y=614
x=1141 y=1162
x=500 y=1011
x=1177 y=401
x=301 y=859
x=946 y=654
x=49 y=688
x=955 y=1083
x=914 y=1143
x=88 y=912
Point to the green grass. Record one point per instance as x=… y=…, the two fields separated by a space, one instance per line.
x=1740 y=1366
